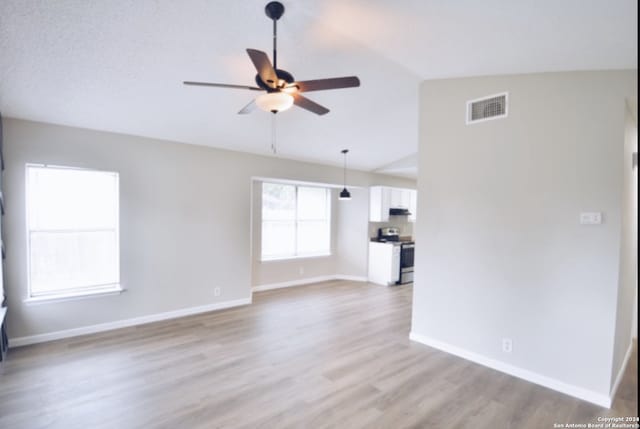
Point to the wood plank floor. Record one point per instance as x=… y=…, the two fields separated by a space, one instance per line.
x=333 y=354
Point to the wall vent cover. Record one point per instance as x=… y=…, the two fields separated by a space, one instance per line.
x=488 y=108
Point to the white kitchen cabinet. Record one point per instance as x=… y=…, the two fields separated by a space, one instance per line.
x=379 y=203
x=384 y=263
x=400 y=198
x=382 y=198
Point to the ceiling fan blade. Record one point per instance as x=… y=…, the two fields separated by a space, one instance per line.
x=263 y=65
x=331 y=83
x=311 y=106
x=223 y=85
x=248 y=108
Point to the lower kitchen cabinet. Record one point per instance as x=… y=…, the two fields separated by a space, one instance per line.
x=384 y=263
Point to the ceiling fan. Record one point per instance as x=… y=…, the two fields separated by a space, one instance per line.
x=282 y=91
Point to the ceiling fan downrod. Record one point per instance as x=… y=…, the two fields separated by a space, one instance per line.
x=274 y=10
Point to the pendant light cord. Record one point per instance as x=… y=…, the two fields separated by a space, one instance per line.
x=344 y=174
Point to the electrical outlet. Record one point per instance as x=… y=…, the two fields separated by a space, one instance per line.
x=507 y=345
x=216 y=291
x=301 y=271
x=590 y=218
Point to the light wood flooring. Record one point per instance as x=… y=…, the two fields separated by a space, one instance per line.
x=332 y=354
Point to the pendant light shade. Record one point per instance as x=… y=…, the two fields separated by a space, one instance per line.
x=345 y=194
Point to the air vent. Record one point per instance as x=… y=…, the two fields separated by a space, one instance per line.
x=487 y=108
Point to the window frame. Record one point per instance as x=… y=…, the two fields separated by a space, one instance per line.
x=295 y=221
x=77 y=292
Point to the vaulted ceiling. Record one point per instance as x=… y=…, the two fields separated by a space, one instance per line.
x=118 y=65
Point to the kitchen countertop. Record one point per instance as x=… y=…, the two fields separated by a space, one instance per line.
x=405 y=239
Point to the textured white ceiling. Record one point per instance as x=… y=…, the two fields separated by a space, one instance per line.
x=118 y=65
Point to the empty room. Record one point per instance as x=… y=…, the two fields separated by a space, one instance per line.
x=318 y=214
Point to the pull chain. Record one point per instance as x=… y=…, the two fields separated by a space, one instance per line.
x=273 y=134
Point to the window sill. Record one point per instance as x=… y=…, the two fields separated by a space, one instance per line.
x=293 y=258
x=74 y=296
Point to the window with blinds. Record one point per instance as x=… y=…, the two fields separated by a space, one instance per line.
x=296 y=221
x=72 y=231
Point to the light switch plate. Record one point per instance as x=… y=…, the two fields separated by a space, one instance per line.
x=590 y=218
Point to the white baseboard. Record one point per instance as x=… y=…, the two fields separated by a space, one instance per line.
x=306 y=281
x=614 y=389
x=92 y=329
x=292 y=283
x=351 y=278
x=551 y=383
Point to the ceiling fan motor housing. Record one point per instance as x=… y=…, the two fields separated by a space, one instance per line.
x=268 y=86
x=274 y=10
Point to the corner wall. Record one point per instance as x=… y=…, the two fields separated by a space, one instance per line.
x=268 y=274
x=628 y=256
x=503 y=254
x=349 y=242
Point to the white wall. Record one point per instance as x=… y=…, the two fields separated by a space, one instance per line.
x=184 y=217
x=353 y=240
x=501 y=250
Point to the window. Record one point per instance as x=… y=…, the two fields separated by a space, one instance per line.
x=72 y=231
x=296 y=221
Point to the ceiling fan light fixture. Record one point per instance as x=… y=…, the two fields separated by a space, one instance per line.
x=274 y=101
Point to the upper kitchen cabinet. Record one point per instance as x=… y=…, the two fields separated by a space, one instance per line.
x=384 y=198
x=379 y=203
x=400 y=198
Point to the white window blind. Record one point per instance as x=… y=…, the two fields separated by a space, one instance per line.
x=72 y=228
x=296 y=221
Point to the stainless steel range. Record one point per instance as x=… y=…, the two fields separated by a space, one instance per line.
x=406 y=262
x=390 y=233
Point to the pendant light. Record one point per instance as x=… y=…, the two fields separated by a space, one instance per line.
x=345 y=194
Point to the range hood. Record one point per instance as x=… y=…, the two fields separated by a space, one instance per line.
x=399 y=212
